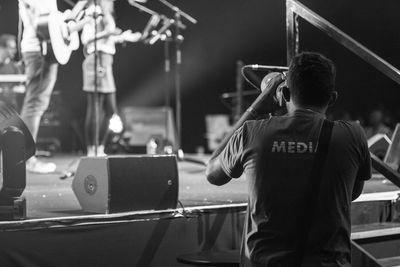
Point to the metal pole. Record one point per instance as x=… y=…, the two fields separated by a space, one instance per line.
x=239 y=91
x=290 y=32
x=96 y=92
x=178 y=62
x=167 y=70
x=178 y=58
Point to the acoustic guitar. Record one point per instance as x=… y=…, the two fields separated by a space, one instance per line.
x=59 y=38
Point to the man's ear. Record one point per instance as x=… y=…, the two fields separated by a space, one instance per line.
x=286 y=94
x=333 y=98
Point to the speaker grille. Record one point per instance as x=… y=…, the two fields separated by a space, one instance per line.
x=143 y=183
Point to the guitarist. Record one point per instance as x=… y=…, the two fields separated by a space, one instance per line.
x=41 y=73
x=105 y=43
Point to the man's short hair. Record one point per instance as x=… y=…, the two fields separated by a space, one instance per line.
x=311 y=79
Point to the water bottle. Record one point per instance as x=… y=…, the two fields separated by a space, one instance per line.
x=151 y=147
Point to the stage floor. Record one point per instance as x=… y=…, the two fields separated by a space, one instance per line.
x=49 y=196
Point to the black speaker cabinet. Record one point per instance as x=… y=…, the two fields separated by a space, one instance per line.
x=127 y=183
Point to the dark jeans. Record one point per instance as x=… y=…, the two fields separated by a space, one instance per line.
x=41 y=77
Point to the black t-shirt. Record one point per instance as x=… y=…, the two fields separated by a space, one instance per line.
x=276 y=193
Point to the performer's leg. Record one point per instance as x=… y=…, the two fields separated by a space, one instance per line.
x=110 y=109
x=111 y=103
x=89 y=140
x=90 y=121
x=41 y=77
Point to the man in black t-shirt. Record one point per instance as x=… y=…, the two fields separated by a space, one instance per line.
x=279 y=179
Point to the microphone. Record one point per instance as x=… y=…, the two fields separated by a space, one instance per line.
x=151 y=24
x=161 y=31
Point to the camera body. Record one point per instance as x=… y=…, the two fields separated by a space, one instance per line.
x=276 y=83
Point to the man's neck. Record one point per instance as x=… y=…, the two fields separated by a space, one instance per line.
x=292 y=108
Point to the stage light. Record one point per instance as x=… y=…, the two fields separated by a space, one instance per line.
x=16 y=146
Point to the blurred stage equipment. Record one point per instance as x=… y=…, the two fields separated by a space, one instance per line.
x=379 y=144
x=126 y=183
x=169 y=32
x=54 y=131
x=16 y=145
x=238 y=104
x=217 y=125
x=392 y=157
x=178 y=39
x=12 y=89
x=146 y=124
x=150 y=33
x=12 y=78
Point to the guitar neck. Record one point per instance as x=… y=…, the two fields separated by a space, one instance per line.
x=78 y=26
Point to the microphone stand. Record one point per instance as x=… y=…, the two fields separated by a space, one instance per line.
x=178 y=39
x=167 y=69
x=142 y=8
x=163 y=34
x=96 y=89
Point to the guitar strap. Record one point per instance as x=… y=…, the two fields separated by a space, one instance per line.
x=314 y=188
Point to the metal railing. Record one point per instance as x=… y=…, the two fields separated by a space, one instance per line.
x=295 y=9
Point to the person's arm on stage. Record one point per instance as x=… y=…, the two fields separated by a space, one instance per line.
x=109 y=29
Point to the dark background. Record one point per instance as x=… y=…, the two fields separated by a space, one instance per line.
x=228 y=30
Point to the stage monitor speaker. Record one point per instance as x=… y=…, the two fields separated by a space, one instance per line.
x=127 y=183
x=145 y=123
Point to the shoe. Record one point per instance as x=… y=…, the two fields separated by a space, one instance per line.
x=90 y=151
x=35 y=165
x=100 y=151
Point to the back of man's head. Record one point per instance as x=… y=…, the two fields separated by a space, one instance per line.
x=311 y=79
